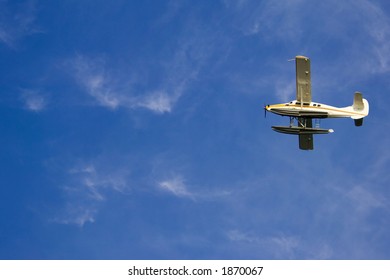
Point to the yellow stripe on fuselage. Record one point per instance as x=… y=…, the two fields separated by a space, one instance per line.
x=324 y=108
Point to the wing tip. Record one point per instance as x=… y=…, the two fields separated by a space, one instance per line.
x=301 y=57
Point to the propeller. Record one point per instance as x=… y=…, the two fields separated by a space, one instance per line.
x=265 y=111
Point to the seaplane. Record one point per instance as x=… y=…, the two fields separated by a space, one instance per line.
x=303 y=110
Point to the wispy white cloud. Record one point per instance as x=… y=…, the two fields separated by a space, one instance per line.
x=159 y=102
x=158 y=81
x=278 y=246
x=285 y=90
x=112 y=90
x=176 y=186
x=77 y=215
x=376 y=25
x=34 y=100
x=16 y=23
x=365 y=200
x=5 y=37
x=87 y=187
x=351 y=37
x=319 y=216
x=260 y=18
x=171 y=176
x=97 y=181
x=93 y=77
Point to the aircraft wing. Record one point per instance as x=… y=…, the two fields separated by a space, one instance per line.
x=303 y=78
x=306 y=140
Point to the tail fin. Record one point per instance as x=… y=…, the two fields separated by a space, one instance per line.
x=361 y=106
x=358 y=104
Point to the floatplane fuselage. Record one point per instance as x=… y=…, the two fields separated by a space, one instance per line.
x=304 y=110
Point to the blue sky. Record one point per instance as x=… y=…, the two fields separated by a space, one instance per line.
x=135 y=130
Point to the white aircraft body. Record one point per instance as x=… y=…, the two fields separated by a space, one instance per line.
x=304 y=110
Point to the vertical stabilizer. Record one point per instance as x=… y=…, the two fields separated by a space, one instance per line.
x=358 y=104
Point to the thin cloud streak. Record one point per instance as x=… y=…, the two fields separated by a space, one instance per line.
x=176 y=186
x=85 y=191
x=275 y=246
